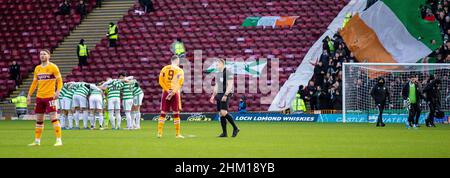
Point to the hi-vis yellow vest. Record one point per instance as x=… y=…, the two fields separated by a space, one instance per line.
x=298 y=104
x=331 y=45
x=179 y=48
x=83 y=50
x=347 y=18
x=20 y=101
x=112 y=30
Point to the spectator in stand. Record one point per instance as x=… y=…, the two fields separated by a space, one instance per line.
x=319 y=72
x=64 y=8
x=14 y=73
x=113 y=35
x=430 y=16
x=328 y=44
x=298 y=105
x=81 y=9
x=322 y=98
x=336 y=97
x=242 y=105
x=83 y=54
x=98 y=3
x=324 y=58
x=147 y=4
x=310 y=90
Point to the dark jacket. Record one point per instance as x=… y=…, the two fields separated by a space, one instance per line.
x=380 y=94
x=81 y=9
x=242 y=106
x=433 y=94
x=14 y=70
x=337 y=101
x=405 y=92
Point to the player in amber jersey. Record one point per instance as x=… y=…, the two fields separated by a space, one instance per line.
x=171 y=79
x=47 y=79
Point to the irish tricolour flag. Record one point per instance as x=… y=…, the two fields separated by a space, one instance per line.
x=392 y=31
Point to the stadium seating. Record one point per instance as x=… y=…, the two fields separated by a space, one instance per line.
x=213 y=26
x=27 y=26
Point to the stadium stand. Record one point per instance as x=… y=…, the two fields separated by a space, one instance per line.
x=92 y=29
x=214 y=27
x=330 y=81
x=26 y=27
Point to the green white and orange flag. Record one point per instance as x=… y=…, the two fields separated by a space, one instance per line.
x=392 y=31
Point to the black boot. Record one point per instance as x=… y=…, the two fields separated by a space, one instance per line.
x=235 y=132
x=223 y=123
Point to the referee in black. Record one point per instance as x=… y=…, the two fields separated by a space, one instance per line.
x=223 y=90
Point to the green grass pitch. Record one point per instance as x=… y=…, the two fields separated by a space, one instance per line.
x=256 y=139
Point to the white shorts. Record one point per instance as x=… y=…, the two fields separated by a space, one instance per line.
x=79 y=101
x=66 y=104
x=95 y=102
x=114 y=104
x=127 y=104
x=137 y=100
x=60 y=104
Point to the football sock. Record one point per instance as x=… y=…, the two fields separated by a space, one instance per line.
x=57 y=128
x=38 y=131
x=223 y=123
x=161 y=124
x=138 y=119
x=77 y=118
x=112 y=119
x=128 y=116
x=70 y=119
x=230 y=119
x=177 y=123
x=92 y=119
x=118 y=118
x=85 y=119
x=133 y=120
x=100 y=119
x=62 y=120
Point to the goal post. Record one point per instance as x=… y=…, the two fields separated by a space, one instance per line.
x=359 y=78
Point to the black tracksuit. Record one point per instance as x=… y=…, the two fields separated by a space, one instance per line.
x=380 y=94
x=414 y=109
x=433 y=98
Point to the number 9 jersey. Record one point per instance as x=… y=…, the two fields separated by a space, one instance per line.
x=171 y=78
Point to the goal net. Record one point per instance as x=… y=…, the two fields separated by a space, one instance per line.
x=359 y=78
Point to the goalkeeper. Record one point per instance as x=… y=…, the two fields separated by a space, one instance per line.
x=380 y=94
x=412 y=96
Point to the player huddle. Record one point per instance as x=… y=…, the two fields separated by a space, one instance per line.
x=92 y=102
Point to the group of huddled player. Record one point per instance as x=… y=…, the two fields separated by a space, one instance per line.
x=101 y=102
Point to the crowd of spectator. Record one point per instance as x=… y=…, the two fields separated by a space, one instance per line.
x=80 y=8
x=438 y=10
x=324 y=90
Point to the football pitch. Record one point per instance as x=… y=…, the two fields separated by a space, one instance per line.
x=256 y=140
